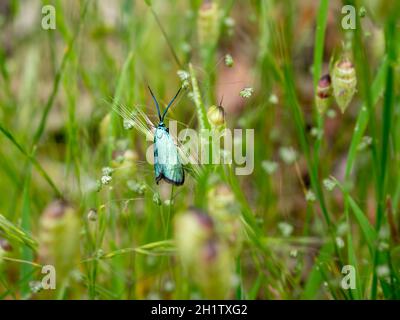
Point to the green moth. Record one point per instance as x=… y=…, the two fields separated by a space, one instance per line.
x=167 y=165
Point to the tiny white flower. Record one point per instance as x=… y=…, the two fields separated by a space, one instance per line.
x=329 y=184
x=169 y=286
x=383 y=246
x=185 y=84
x=273 y=99
x=288 y=154
x=228 y=60
x=339 y=242
x=106 y=180
x=107 y=171
x=382 y=271
x=229 y=22
x=285 y=228
x=310 y=196
x=186 y=47
x=317 y=133
x=35 y=286
x=136 y=187
x=269 y=166
x=168 y=202
x=365 y=143
x=183 y=75
x=246 y=92
x=331 y=113
x=293 y=253
x=342 y=229
x=128 y=124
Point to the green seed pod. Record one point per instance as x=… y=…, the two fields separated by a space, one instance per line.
x=323 y=98
x=344 y=82
x=216 y=116
x=59 y=234
x=207 y=24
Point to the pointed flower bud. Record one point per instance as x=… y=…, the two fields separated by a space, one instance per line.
x=216 y=116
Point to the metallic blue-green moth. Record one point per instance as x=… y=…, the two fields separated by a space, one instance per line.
x=167 y=165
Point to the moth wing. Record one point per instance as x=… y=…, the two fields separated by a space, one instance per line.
x=167 y=164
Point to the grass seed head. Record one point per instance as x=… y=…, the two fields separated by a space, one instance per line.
x=344 y=82
x=208 y=24
x=59 y=235
x=192 y=229
x=203 y=253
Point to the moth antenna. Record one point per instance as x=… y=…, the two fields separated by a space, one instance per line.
x=170 y=103
x=156 y=103
x=222 y=99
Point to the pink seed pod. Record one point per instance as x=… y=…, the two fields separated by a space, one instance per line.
x=323 y=97
x=5 y=245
